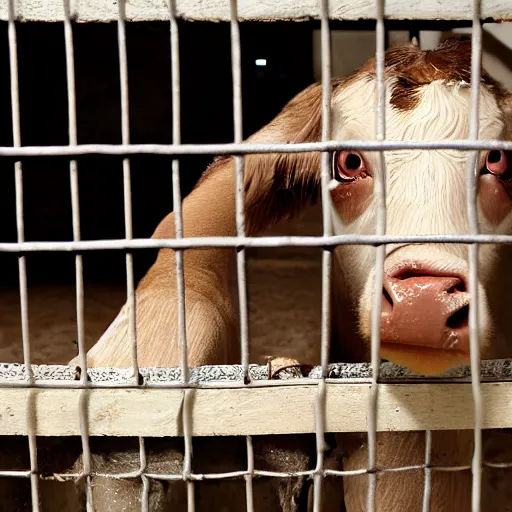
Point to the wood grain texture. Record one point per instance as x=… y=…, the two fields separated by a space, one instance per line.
x=256 y=411
x=218 y=10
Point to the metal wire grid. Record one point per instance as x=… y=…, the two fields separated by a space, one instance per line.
x=327 y=242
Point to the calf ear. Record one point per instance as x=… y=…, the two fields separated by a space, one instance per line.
x=278 y=185
x=505 y=103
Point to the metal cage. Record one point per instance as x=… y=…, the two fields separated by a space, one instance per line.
x=26 y=382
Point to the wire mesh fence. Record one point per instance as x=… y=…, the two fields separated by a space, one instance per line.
x=245 y=375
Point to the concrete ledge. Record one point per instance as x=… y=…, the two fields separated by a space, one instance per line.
x=12 y=374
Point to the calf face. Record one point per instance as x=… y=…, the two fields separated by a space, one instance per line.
x=425 y=302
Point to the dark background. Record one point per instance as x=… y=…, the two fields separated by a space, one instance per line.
x=206 y=100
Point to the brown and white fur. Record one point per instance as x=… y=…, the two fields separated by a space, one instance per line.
x=428 y=98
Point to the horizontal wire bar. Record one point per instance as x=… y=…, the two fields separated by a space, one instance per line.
x=247 y=148
x=498 y=465
x=237 y=242
x=241 y=474
x=16 y=474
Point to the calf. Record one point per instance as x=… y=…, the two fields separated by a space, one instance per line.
x=425 y=307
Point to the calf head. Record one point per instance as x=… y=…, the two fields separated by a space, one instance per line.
x=425 y=294
x=425 y=299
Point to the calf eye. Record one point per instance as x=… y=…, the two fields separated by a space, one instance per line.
x=498 y=163
x=348 y=166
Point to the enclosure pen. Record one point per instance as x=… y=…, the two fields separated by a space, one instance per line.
x=192 y=398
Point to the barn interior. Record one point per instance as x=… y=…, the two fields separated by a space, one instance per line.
x=278 y=60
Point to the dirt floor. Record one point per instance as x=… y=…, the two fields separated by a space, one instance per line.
x=284 y=299
x=284 y=314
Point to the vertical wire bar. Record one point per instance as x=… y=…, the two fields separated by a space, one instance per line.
x=144 y=494
x=427 y=490
x=127 y=191
x=127 y=196
x=250 y=475
x=176 y=188
x=22 y=268
x=380 y=194
x=325 y=173
x=20 y=222
x=83 y=414
x=236 y=70
x=79 y=278
x=320 y=402
x=73 y=173
x=476 y=62
x=180 y=273
x=187 y=437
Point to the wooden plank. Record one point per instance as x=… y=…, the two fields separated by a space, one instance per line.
x=218 y=10
x=256 y=411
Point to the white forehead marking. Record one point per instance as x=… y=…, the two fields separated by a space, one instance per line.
x=442 y=112
x=426 y=189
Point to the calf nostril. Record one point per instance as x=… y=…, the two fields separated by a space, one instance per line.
x=459 y=319
x=459 y=287
x=406 y=274
x=387 y=302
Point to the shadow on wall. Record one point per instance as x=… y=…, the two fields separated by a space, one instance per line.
x=206 y=91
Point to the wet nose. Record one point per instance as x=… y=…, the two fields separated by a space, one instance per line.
x=426 y=310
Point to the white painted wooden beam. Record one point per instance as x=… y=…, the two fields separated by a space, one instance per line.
x=218 y=10
x=257 y=411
